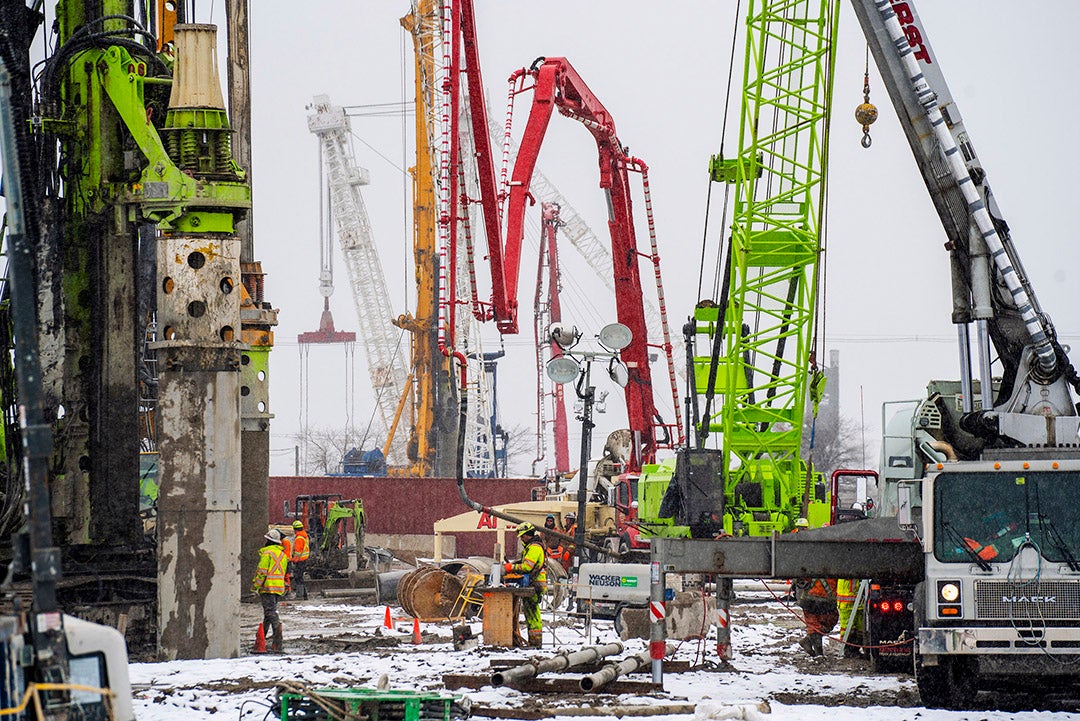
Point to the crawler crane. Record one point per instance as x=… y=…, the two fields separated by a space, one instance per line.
x=382 y=344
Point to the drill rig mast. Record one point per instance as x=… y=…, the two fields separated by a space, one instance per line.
x=139 y=199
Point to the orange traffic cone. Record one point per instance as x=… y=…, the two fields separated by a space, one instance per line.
x=388 y=623
x=260 y=640
x=416 y=632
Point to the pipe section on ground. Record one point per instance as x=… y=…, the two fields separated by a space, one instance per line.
x=614 y=670
x=558 y=662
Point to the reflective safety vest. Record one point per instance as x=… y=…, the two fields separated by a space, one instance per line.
x=822 y=588
x=532 y=558
x=301 y=547
x=846 y=591
x=555 y=549
x=270 y=575
x=286 y=543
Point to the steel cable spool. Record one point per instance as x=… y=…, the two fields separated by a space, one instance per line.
x=404 y=590
x=429 y=593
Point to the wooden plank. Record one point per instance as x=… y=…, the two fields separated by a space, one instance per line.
x=531 y=714
x=500 y=619
x=524 y=714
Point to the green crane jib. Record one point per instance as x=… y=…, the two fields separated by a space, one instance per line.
x=760 y=362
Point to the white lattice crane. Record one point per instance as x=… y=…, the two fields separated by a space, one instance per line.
x=380 y=339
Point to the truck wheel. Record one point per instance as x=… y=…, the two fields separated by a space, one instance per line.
x=952 y=683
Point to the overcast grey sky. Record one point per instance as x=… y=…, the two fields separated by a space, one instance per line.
x=661 y=69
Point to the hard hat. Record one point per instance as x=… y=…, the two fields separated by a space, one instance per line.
x=298 y=525
x=525 y=528
x=570 y=516
x=274 y=536
x=802 y=523
x=550 y=517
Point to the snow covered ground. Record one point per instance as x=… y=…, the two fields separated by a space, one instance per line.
x=335 y=644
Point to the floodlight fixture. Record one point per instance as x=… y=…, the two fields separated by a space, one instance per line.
x=563 y=369
x=615 y=336
x=565 y=336
x=618 y=372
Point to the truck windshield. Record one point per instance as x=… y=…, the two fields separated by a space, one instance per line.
x=988 y=515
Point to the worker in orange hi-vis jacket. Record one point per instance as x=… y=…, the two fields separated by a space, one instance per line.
x=286 y=545
x=817 y=598
x=570 y=524
x=553 y=544
x=301 y=551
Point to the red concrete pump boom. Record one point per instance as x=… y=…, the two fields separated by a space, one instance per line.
x=557 y=85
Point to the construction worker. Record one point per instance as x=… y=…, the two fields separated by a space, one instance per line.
x=570 y=524
x=269 y=583
x=817 y=598
x=301 y=550
x=532 y=571
x=286 y=545
x=553 y=544
x=847 y=590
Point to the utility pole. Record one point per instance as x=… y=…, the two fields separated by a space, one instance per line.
x=587 y=396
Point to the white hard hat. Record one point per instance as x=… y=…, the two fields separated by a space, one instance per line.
x=274 y=536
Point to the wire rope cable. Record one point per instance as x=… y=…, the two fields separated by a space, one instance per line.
x=727 y=190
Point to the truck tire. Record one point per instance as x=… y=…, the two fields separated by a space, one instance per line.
x=950 y=684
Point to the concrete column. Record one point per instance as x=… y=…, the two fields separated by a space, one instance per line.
x=199 y=440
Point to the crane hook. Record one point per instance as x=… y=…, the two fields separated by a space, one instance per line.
x=866 y=113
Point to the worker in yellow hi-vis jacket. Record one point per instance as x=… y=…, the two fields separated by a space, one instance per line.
x=531 y=566
x=269 y=583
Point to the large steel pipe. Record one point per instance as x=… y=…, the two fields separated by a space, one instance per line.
x=612 y=671
x=558 y=662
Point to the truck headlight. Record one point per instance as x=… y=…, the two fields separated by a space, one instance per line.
x=949 y=591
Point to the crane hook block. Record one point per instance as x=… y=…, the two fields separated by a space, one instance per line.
x=865 y=114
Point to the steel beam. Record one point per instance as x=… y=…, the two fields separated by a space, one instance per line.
x=810 y=554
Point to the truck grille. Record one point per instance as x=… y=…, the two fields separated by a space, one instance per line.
x=1040 y=600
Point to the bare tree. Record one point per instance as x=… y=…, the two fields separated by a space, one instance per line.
x=520 y=443
x=838 y=446
x=322 y=449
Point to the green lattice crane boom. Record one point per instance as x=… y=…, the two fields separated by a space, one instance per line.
x=761 y=368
